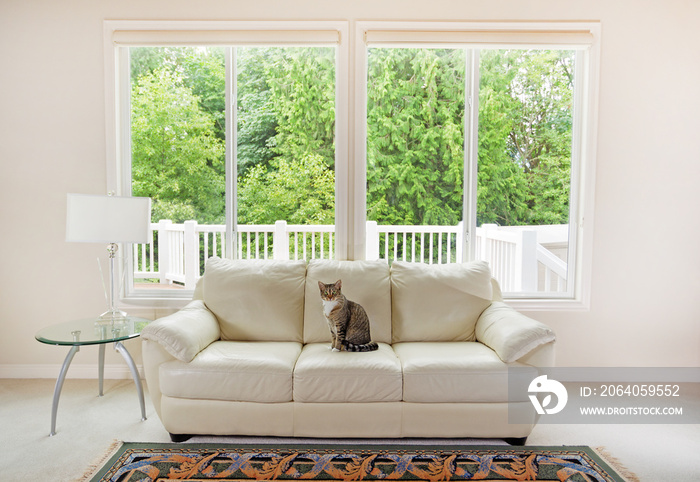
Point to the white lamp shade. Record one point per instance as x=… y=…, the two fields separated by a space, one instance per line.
x=107 y=219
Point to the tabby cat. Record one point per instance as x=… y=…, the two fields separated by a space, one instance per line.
x=347 y=320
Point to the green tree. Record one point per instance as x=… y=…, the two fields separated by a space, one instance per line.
x=415 y=154
x=300 y=191
x=286 y=121
x=525 y=126
x=302 y=92
x=286 y=104
x=501 y=183
x=256 y=111
x=176 y=155
x=202 y=69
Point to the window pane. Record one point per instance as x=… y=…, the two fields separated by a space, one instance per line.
x=285 y=156
x=415 y=154
x=286 y=152
x=177 y=157
x=177 y=132
x=524 y=167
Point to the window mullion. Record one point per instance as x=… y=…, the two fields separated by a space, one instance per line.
x=123 y=184
x=575 y=218
x=231 y=154
x=471 y=152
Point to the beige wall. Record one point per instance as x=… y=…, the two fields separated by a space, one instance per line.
x=645 y=303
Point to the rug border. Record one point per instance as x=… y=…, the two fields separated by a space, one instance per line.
x=116 y=451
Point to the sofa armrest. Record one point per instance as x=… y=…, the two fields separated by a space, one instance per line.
x=154 y=355
x=185 y=333
x=510 y=334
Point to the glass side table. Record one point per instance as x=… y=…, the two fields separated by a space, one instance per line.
x=93 y=332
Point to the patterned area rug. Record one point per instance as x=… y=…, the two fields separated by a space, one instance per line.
x=197 y=462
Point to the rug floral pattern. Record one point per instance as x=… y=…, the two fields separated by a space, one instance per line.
x=136 y=462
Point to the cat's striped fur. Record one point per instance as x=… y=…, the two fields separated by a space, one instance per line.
x=347 y=320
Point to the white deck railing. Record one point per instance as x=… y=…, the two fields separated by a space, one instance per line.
x=176 y=253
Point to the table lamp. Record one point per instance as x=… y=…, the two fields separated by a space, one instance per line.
x=111 y=220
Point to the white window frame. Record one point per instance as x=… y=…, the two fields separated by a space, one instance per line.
x=351 y=118
x=584 y=37
x=120 y=34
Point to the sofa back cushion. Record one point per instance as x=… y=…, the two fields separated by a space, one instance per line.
x=365 y=282
x=438 y=302
x=256 y=300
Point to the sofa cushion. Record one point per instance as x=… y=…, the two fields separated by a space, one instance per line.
x=452 y=372
x=438 y=302
x=365 y=282
x=322 y=375
x=256 y=300
x=234 y=371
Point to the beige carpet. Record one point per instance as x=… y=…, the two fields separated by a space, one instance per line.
x=88 y=425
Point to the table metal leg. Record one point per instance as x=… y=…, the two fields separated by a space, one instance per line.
x=101 y=368
x=134 y=373
x=59 y=386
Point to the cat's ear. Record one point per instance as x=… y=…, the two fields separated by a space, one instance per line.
x=338 y=284
x=321 y=286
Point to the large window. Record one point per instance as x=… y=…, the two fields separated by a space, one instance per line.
x=232 y=134
x=469 y=142
x=478 y=145
x=415 y=154
x=524 y=168
x=417 y=103
x=283 y=110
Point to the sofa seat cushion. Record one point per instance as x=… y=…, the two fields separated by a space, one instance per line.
x=322 y=375
x=452 y=372
x=234 y=371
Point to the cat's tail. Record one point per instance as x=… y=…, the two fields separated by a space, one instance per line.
x=371 y=346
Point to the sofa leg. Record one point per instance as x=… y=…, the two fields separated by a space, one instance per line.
x=515 y=440
x=179 y=437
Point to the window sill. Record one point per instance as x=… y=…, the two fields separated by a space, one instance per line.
x=541 y=304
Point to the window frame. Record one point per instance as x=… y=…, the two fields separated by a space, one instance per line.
x=120 y=34
x=584 y=37
x=351 y=149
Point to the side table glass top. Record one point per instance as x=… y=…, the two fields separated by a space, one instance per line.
x=92 y=331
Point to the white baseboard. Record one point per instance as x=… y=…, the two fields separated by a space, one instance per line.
x=112 y=372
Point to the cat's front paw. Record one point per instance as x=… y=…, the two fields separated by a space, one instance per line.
x=334 y=349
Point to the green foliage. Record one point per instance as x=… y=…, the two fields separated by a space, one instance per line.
x=501 y=186
x=302 y=93
x=202 y=70
x=525 y=122
x=300 y=191
x=176 y=156
x=285 y=132
x=286 y=152
x=415 y=136
x=257 y=116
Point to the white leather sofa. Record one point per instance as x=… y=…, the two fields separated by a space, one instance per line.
x=250 y=355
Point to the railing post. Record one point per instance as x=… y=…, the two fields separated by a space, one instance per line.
x=280 y=241
x=486 y=242
x=191 y=254
x=526 y=261
x=164 y=250
x=459 y=243
x=372 y=241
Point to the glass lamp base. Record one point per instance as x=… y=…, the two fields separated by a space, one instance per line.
x=112 y=316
